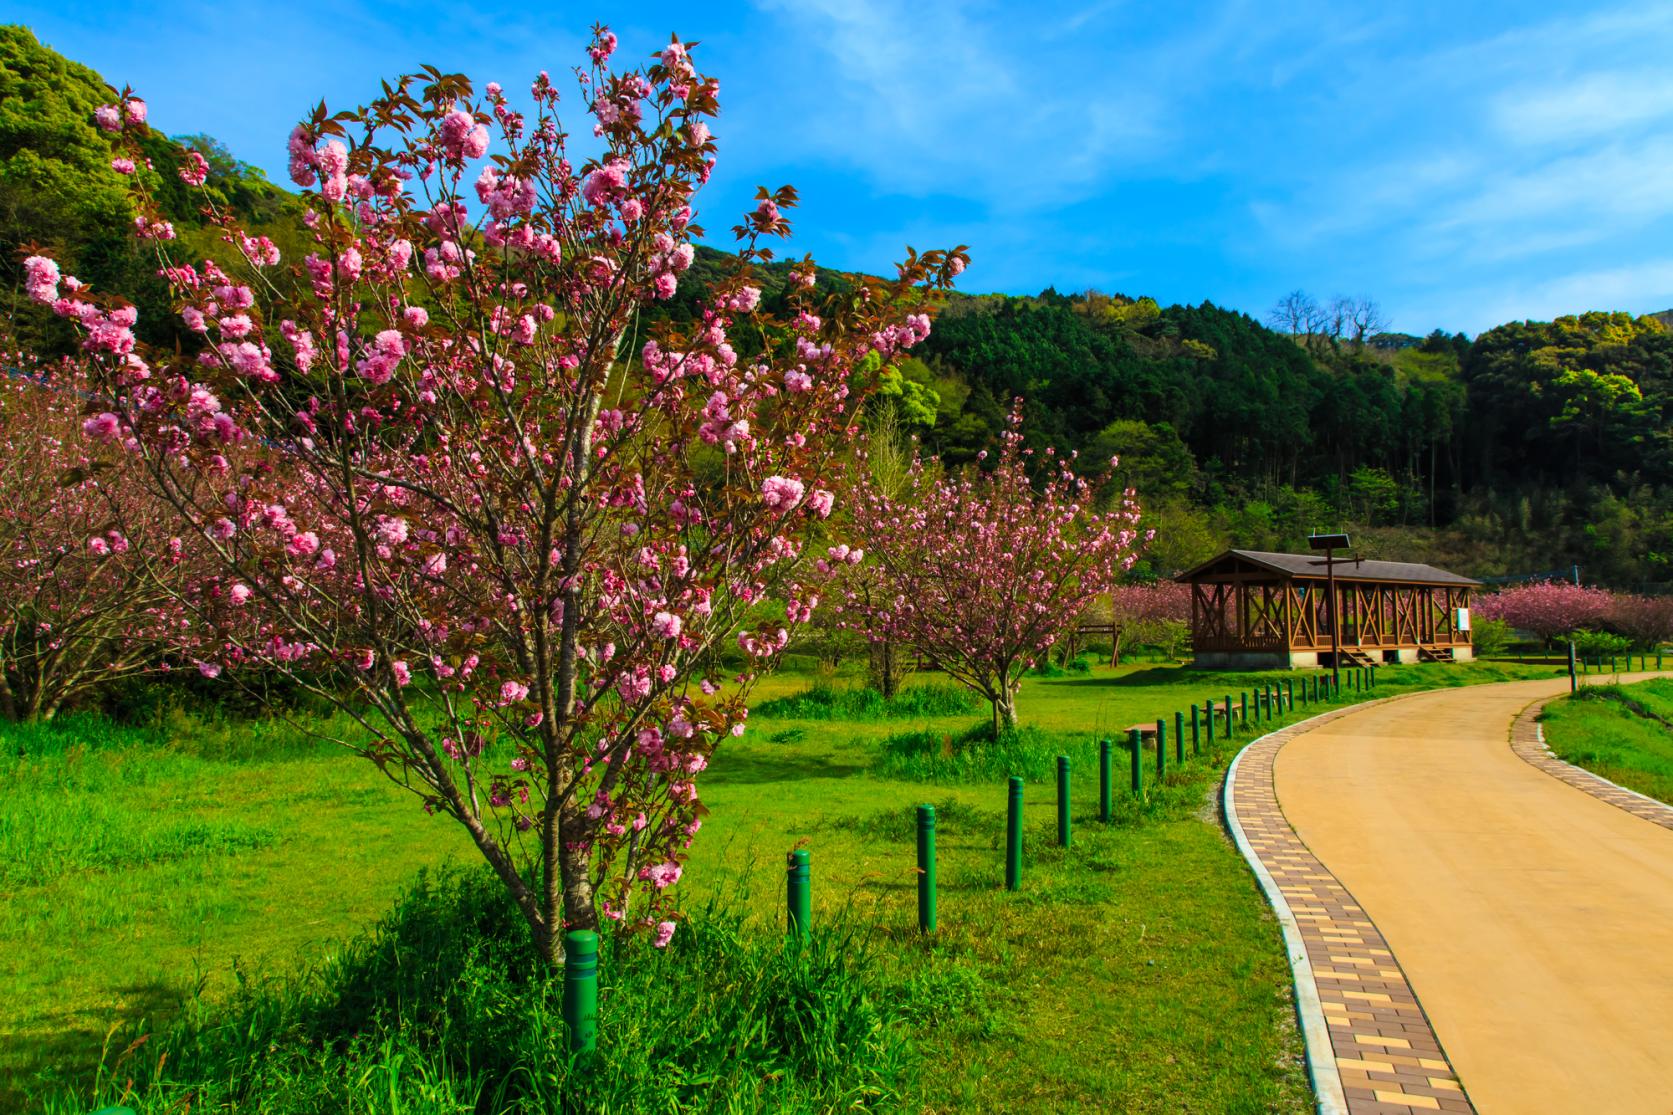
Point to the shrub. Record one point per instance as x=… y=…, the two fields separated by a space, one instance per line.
x=828 y=702
x=1600 y=644
x=446 y=1006
x=1490 y=636
x=980 y=755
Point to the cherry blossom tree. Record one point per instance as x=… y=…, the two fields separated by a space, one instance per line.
x=1549 y=609
x=1646 y=620
x=985 y=571
x=89 y=568
x=1153 y=612
x=455 y=482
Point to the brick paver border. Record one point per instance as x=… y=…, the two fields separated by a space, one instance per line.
x=1370 y=1047
x=1527 y=739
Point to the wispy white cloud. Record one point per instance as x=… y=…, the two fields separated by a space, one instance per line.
x=1600 y=103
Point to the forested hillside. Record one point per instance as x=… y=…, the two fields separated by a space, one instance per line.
x=59 y=192
x=1535 y=445
x=1529 y=447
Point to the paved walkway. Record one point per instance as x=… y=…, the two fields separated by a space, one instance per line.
x=1534 y=919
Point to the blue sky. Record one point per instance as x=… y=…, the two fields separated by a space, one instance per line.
x=1462 y=163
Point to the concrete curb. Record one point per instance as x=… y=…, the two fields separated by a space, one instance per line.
x=1315 y=1031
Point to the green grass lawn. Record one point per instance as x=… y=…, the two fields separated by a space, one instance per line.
x=1139 y=970
x=1623 y=732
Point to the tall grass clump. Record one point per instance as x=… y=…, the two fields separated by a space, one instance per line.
x=979 y=755
x=822 y=701
x=446 y=1007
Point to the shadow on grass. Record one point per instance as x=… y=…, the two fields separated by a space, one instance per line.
x=750 y=768
x=1175 y=675
x=65 y=1046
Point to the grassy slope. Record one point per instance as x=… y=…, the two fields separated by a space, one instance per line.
x=1613 y=731
x=1139 y=970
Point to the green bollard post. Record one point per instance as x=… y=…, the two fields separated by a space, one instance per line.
x=926 y=869
x=1135 y=745
x=1196 y=730
x=1179 y=739
x=1243 y=710
x=1063 y=819
x=1573 y=681
x=1230 y=732
x=1106 y=781
x=1013 y=836
x=1211 y=722
x=799 y=894
x=1161 y=750
x=580 y=989
x=1289 y=694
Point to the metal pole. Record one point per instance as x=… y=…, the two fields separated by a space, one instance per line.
x=1063 y=819
x=1013 y=836
x=1179 y=738
x=799 y=894
x=1135 y=744
x=580 y=989
x=1106 y=781
x=1335 y=627
x=1211 y=722
x=1161 y=750
x=1196 y=730
x=926 y=869
x=1574 y=572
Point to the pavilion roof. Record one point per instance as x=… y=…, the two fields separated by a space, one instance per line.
x=1311 y=566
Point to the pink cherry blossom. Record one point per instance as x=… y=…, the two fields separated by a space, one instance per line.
x=1548 y=609
x=781 y=493
x=102 y=427
x=41 y=279
x=194 y=171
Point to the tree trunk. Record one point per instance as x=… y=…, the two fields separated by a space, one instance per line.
x=1004 y=709
x=574 y=868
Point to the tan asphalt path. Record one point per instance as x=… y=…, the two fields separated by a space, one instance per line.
x=1534 y=921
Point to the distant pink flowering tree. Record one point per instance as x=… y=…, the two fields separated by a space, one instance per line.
x=983 y=572
x=89 y=568
x=1646 y=620
x=1549 y=609
x=1153 y=612
x=452 y=480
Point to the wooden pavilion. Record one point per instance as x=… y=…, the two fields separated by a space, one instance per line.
x=1255 y=610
